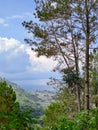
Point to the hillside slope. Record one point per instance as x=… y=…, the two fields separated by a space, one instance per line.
x=35 y=100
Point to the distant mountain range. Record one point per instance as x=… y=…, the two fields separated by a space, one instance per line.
x=33 y=100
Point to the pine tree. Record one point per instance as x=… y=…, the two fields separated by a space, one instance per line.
x=67 y=30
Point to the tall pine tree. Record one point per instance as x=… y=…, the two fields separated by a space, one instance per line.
x=67 y=30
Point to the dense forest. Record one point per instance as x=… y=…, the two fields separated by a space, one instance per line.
x=67 y=31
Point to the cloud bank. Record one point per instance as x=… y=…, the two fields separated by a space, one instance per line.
x=19 y=63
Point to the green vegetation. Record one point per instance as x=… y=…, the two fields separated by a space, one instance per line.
x=67 y=32
x=11 y=117
x=59 y=115
x=33 y=100
x=80 y=122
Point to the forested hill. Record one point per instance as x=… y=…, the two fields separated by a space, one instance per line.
x=36 y=100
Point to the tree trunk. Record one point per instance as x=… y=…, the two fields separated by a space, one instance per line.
x=78 y=97
x=87 y=78
x=75 y=47
x=77 y=85
x=87 y=58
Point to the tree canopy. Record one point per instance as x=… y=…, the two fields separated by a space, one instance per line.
x=66 y=31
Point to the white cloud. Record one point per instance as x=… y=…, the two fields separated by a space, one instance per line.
x=20 y=16
x=13 y=56
x=16 y=17
x=18 y=57
x=3 y=22
x=18 y=63
x=54 y=4
x=8 y=44
x=41 y=63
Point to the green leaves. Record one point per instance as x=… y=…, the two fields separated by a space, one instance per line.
x=83 y=120
x=70 y=77
x=7 y=98
x=87 y=120
x=10 y=115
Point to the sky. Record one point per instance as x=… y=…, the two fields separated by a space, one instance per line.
x=18 y=63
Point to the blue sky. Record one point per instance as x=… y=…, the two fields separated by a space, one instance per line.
x=17 y=62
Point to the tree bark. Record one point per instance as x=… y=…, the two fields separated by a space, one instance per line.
x=77 y=85
x=87 y=58
x=76 y=58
